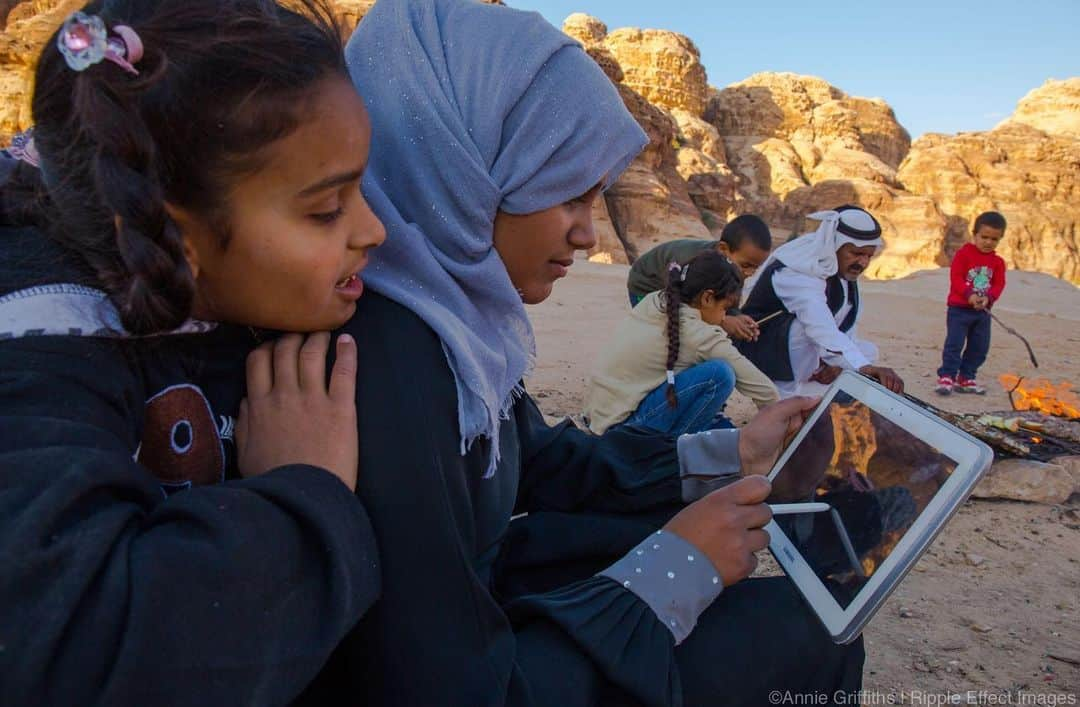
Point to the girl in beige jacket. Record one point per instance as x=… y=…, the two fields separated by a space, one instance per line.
x=670 y=366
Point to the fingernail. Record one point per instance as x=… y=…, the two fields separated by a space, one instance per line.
x=345 y=339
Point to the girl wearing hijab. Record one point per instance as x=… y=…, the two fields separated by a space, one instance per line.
x=494 y=133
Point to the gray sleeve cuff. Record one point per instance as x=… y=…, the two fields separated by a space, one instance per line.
x=707 y=461
x=673 y=577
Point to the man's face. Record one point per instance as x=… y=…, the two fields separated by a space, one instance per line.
x=747 y=257
x=852 y=261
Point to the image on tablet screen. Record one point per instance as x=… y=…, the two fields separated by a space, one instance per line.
x=876 y=479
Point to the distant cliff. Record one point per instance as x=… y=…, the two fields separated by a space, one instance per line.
x=784 y=145
x=776 y=144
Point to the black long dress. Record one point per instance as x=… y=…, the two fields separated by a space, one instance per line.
x=479 y=609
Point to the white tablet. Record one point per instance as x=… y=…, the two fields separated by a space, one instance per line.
x=880 y=477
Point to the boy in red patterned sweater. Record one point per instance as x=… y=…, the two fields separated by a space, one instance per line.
x=977 y=279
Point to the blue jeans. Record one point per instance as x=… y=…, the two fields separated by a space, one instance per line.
x=634 y=299
x=703 y=391
x=969 y=326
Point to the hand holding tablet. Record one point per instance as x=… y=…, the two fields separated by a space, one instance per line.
x=761 y=440
x=866 y=485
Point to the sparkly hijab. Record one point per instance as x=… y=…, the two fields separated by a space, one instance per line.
x=476 y=108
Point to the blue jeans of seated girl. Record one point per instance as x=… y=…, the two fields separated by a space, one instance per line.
x=703 y=391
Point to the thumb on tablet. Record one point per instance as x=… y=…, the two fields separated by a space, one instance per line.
x=762 y=439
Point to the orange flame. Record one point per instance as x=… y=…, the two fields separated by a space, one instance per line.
x=1043 y=396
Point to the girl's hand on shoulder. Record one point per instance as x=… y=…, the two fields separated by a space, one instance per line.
x=727 y=526
x=291 y=415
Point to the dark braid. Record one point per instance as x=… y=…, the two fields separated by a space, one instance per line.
x=672 y=301
x=154 y=288
x=219 y=81
x=705 y=271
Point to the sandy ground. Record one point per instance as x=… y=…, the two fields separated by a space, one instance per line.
x=994 y=605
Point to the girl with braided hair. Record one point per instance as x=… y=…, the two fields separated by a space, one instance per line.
x=670 y=366
x=192 y=184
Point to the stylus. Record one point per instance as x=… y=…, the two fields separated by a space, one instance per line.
x=783 y=509
x=848 y=547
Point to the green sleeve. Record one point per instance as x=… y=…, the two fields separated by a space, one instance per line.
x=649 y=271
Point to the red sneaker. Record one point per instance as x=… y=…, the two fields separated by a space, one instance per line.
x=968 y=385
x=945 y=385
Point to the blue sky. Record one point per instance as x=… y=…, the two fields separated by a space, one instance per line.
x=943 y=66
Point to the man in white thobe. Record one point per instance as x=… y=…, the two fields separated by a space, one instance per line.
x=810 y=287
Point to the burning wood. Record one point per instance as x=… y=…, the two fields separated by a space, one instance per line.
x=1012 y=424
x=1042 y=396
x=1048 y=427
x=1027 y=434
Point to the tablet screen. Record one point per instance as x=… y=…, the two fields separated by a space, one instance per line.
x=868 y=479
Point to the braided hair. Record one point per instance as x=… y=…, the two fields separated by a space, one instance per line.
x=219 y=80
x=708 y=271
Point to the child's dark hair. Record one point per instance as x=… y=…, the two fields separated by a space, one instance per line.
x=747 y=227
x=991 y=219
x=705 y=271
x=218 y=81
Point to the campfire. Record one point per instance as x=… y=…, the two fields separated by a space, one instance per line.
x=1041 y=395
x=1044 y=422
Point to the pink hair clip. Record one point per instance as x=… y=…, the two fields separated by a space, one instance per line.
x=84 y=41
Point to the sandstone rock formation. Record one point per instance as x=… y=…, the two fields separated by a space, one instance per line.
x=702 y=162
x=780 y=145
x=585 y=28
x=796 y=144
x=784 y=132
x=651 y=202
x=6 y=6
x=26 y=28
x=1033 y=178
x=783 y=145
x=351 y=12
x=609 y=248
x=607 y=61
x=1053 y=108
x=27 y=25
x=664 y=67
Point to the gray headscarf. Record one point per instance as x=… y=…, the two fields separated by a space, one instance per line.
x=476 y=108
